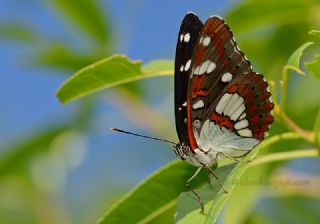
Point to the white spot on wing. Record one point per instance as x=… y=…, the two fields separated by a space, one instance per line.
x=226 y=77
x=243 y=116
x=227 y=111
x=204 y=66
x=241 y=124
x=206 y=41
x=181 y=68
x=197 y=70
x=223 y=102
x=238 y=112
x=245 y=132
x=211 y=67
x=201 y=38
x=236 y=105
x=181 y=37
x=198 y=104
x=184 y=104
x=186 y=68
x=186 y=37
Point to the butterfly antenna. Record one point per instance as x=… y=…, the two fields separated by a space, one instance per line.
x=143 y=136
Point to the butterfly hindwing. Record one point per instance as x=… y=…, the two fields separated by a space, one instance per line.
x=244 y=104
x=188 y=35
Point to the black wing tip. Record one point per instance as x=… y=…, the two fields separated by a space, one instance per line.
x=190 y=13
x=191 y=16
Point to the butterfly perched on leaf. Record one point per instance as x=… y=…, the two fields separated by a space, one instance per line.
x=222 y=107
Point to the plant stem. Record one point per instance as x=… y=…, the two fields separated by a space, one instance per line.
x=284 y=85
x=272 y=87
x=285 y=78
x=279 y=111
x=285 y=156
x=277 y=138
x=292 y=126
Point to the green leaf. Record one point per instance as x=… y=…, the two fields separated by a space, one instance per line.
x=245 y=195
x=294 y=59
x=217 y=200
x=314 y=66
x=87 y=15
x=109 y=72
x=214 y=199
x=188 y=208
x=158 y=65
x=315 y=33
x=220 y=200
x=155 y=196
x=18 y=156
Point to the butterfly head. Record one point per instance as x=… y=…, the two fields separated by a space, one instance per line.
x=182 y=150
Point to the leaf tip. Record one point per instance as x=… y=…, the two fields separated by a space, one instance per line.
x=315 y=33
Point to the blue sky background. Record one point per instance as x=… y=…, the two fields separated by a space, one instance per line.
x=27 y=93
x=143 y=30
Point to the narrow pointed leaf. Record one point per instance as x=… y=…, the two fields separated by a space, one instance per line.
x=157 y=195
x=314 y=66
x=153 y=197
x=109 y=72
x=188 y=208
x=213 y=195
x=294 y=59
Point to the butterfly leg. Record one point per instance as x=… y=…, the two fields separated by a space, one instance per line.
x=218 y=178
x=195 y=193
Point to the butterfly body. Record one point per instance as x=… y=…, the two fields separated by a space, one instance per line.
x=222 y=106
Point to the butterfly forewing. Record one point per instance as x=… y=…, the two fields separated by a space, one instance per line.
x=187 y=38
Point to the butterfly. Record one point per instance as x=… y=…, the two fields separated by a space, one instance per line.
x=222 y=107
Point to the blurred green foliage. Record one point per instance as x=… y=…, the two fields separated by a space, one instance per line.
x=268 y=31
